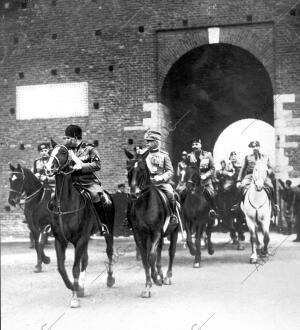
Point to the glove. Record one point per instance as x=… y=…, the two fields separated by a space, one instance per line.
x=238 y=184
x=157 y=178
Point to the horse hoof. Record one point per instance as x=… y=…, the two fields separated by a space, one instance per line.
x=158 y=282
x=196 y=265
x=46 y=260
x=110 y=281
x=240 y=247
x=146 y=294
x=253 y=261
x=211 y=251
x=74 y=303
x=80 y=293
x=167 y=281
x=37 y=269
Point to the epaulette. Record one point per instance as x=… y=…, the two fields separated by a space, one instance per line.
x=164 y=152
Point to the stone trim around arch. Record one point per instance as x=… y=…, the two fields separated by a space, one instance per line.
x=255 y=38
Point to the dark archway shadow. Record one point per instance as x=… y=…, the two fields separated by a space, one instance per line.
x=211 y=87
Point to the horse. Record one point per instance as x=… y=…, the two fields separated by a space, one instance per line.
x=233 y=222
x=258 y=209
x=74 y=220
x=23 y=181
x=196 y=216
x=148 y=215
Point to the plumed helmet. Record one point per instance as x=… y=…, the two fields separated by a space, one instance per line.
x=254 y=144
x=73 y=131
x=44 y=145
x=152 y=135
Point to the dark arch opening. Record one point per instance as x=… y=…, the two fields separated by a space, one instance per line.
x=211 y=87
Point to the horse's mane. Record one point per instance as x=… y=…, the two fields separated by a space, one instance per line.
x=28 y=174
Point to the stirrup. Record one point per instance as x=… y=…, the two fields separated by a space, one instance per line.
x=173 y=220
x=104 y=230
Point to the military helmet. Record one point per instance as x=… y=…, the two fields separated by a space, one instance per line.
x=73 y=131
x=254 y=144
x=44 y=145
x=152 y=136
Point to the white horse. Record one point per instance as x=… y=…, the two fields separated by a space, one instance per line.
x=257 y=209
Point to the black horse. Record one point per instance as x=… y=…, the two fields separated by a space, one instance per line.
x=147 y=217
x=74 y=220
x=233 y=222
x=23 y=181
x=196 y=215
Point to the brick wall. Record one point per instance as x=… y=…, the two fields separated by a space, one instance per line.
x=124 y=50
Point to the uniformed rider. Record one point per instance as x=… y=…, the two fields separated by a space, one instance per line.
x=203 y=164
x=245 y=175
x=86 y=162
x=161 y=170
x=39 y=166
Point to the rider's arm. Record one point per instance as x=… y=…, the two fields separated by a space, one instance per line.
x=169 y=171
x=210 y=173
x=242 y=170
x=178 y=170
x=94 y=163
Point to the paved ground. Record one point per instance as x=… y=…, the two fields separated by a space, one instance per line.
x=225 y=293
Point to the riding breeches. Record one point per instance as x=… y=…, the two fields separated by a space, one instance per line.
x=210 y=196
x=168 y=190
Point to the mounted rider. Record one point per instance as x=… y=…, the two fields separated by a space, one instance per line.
x=39 y=167
x=85 y=163
x=161 y=170
x=224 y=175
x=245 y=175
x=202 y=168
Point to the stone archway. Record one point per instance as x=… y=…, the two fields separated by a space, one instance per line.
x=209 y=88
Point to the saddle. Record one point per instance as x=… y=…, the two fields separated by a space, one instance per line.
x=167 y=207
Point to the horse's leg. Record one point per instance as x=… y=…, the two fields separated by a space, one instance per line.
x=153 y=257
x=189 y=240
x=46 y=260
x=240 y=234
x=109 y=251
x=199 y=229
x=253 y=238
x=210 y=247
x=144 y=252
x=84 y=263
x=80 y=249
x=172 y=250
x=265 y=227
x=60 y=248
x=158 y=262
x=38 y=247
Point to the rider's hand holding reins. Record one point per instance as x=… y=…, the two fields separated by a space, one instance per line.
x=77 y=161
x=238 y=184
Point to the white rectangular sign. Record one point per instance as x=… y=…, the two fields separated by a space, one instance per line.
x=52 y=101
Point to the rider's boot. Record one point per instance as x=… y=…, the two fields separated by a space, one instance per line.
x=237 y=206
x=99 y=206
x=173 y=217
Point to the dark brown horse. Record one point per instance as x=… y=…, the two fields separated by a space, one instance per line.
x=196 y=216
x=23 y=181
x=233 y=222
x=148 y=215
x=74 y=220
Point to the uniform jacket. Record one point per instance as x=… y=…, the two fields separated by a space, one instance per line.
x=39 y=168
x=181 y=166
x=249 y=164
x=205 y=163
x=91 y=163
x=159 y=163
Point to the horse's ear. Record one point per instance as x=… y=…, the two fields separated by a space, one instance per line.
x=128 y=154
x=145 y=154
x=19 y=167
x=53 y=143
x=11 y=167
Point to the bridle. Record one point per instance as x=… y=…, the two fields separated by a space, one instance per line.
x=21 y=191
x=61 y=167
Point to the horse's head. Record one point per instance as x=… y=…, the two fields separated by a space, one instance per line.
x=58 y=160
x=260 y=173
x=138 y=174
x=16 y=181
